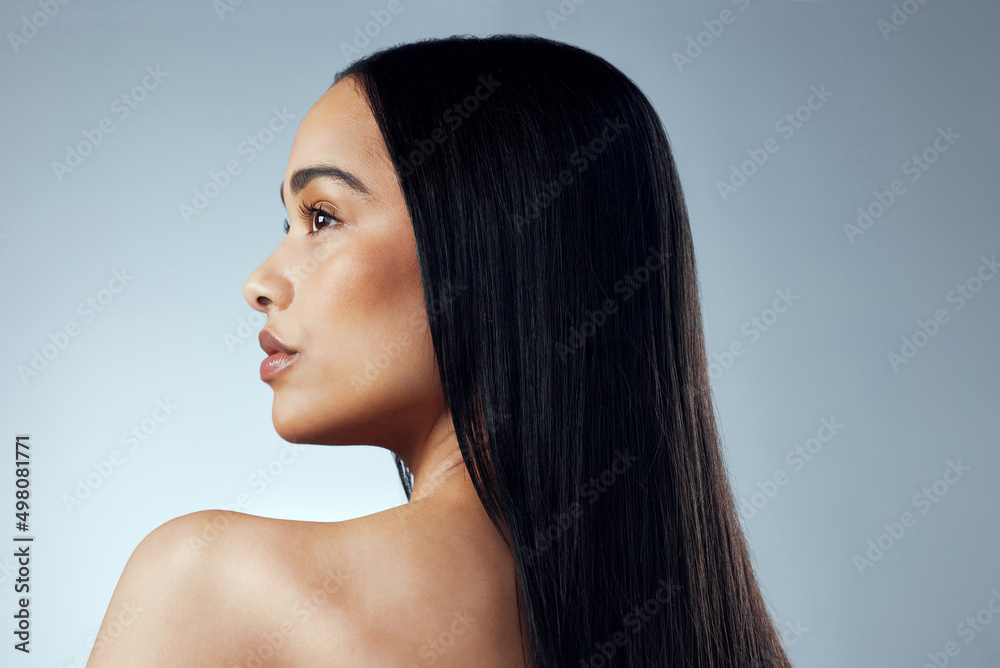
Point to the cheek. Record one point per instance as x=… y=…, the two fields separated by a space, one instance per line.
x=367 y=330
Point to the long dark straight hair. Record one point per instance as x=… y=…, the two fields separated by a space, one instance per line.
x=539 y=179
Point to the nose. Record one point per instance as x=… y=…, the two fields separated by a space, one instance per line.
x=267 y=287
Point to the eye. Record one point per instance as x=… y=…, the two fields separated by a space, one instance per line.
x=315 y=216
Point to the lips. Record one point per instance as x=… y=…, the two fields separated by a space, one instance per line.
x=279 y=355
x=271 y=344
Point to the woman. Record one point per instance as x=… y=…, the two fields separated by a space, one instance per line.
x=488 y=271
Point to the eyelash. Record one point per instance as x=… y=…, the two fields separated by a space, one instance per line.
x=307 y=211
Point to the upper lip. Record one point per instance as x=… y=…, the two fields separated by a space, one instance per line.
x=272 y=344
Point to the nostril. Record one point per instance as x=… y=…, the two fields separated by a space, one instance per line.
x=263 y=301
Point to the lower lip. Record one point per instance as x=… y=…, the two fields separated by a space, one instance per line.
x=275 y=364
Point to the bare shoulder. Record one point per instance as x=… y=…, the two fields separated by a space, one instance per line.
x=190 y=592
x=220 y=588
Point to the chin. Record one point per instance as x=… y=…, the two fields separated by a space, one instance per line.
x=291 y=425
x=296 y=426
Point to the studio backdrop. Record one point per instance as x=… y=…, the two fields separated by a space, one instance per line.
x=840 y=166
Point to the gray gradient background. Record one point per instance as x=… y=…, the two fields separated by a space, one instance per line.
x=825 y=357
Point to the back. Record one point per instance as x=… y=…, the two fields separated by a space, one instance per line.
x=410 y=586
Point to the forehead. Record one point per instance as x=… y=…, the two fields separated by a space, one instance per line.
x=339 y=130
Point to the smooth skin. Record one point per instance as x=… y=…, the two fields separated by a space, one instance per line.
x=427 y=583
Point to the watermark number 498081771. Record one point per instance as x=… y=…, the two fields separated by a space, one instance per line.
x=22 y=543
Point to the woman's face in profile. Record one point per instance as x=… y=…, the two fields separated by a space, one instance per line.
x=343 y=290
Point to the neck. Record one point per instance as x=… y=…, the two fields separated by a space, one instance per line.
x=451 y=466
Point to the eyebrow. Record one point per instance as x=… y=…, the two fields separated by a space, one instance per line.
x=303 y=177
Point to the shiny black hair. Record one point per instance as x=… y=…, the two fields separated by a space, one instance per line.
x=539 y=177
